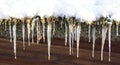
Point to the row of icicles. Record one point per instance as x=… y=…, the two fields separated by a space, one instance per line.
x=72 y=32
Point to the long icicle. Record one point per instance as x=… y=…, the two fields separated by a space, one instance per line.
x=66 y=31
x=73 y=38
x=28 y=28
x=78 y=38
x=10 y=31
x=117 y=29
x=70 y=43
x=49 y=38
x=43 y=24
x=75 y=33
x=93 y=45
x=37 y=32
x=23 y=34
x=14 y=38
x=70 y=38
x=109 y=40
x=89 y=30
x=104 y=31
x=33 y=24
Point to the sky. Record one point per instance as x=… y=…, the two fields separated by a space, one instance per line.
x=85 y=9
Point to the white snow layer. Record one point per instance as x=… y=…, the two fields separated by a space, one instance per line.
x=85 y=9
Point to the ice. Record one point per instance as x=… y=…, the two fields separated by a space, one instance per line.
x=89 y=32
x=117 y=27
x=33 y=26
x=73 y=39
x=78 y=38
x=109 y=40
x=49 y=29
x=23 y=34
x=14 y=39
x=104 y=33
x=10 y=31
x=28 y=30
x=53 y=27
x=5 y=23
x=70 y=38
x=43 y=24
x=38 y=31
x=66 y=33
x=94 y=37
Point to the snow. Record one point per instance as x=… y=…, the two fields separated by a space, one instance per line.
x=85 y=9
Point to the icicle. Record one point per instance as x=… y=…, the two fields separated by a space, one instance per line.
x=70 y=38
x=33 y=24
x=43 y=29
x=23 y=33
x=61 y=23
x=0 y=21
x=70 y=43
x=66 y=34
x=10 y=31
x=43 y=24
x=49 y=38
x=93 y=46
x=109 y=39
x=75 y=33
x=5 y=25
x=117 y=29
x=73 y=39
x=14 y=39
x=104 y=31
x=38 y=32
x=78 y=38
x=28 y=28
x=89 y=30
x=53 y=27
